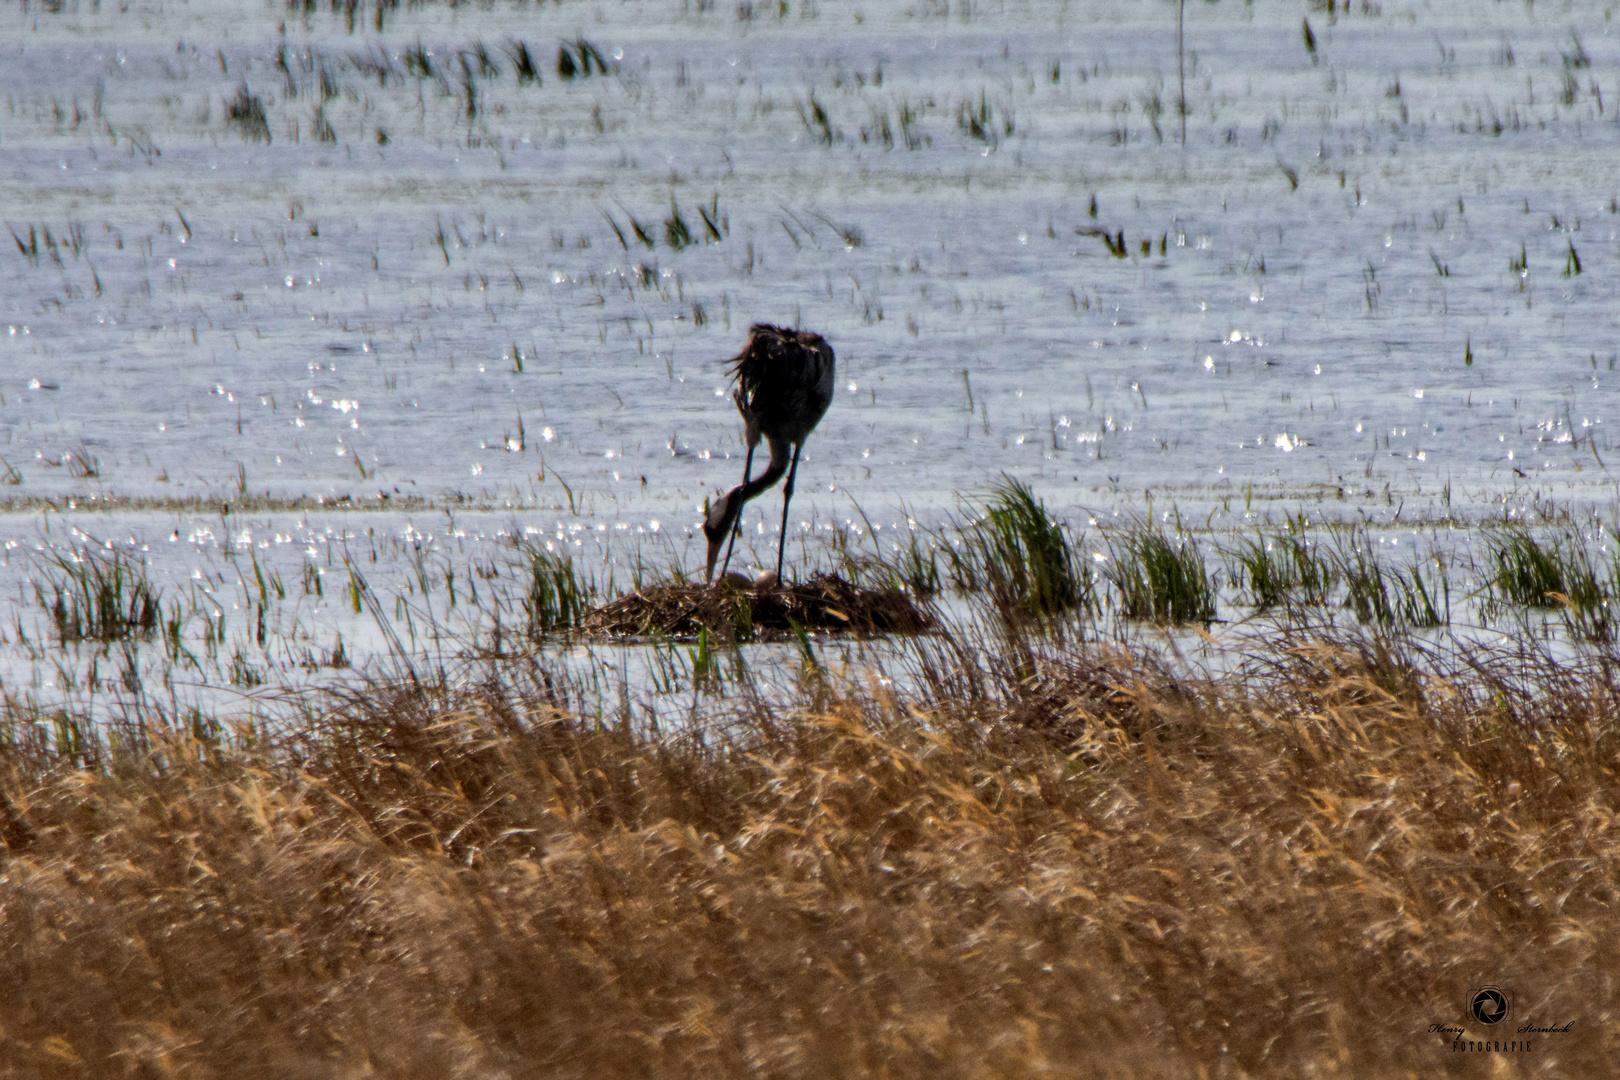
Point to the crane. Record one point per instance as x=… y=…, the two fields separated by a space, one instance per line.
x=784 y=385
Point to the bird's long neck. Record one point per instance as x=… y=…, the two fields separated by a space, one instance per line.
x=781 y=454
x=730 y=507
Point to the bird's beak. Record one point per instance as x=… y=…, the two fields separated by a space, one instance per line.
x=716 y=524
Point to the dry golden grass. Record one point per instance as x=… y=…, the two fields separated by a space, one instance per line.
x=1101 y=869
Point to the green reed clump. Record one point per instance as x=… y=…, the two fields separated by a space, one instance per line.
x=1585 y=601
x=557 y=598
x=418 y=61
x=1424 y=603
x=912 y=567
x=568 y=67
x=1017 y=552
x=1367 y=591
x=1557 y=574
x=1284 y=567
x=99 y=596
x=1159 y=579
x=676 y=231
x=1391 y=596
x=916 y=567
x=1526 y=573
x=523 y=63
x=245 y=112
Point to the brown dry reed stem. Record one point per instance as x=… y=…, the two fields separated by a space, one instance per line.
x=1110 y=867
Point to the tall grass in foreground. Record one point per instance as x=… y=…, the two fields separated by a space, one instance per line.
x=1112 y=868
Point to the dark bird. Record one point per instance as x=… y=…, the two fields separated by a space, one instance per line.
x=784 y=385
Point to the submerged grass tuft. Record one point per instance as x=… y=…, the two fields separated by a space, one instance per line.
x=915 y=567
x=96 y=596
x=245 y=112
x=523 y=63
x=1160 y=580
x=1389 y=596
x=1282 y=568
x=557 y=597
x=1557 y=574
x=576 y=59
x=677 y=234
x=1017 y=552
x=1524 y=572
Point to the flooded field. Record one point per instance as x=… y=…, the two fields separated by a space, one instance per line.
x=336 y=317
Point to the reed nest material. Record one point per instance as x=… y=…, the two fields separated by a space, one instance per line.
x=731 y=612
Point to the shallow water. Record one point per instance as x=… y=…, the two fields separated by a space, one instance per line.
x=1379 y=281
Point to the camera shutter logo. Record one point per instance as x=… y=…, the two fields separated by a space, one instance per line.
x=1490 y=1004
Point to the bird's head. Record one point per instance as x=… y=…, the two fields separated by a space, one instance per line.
x=718 y=522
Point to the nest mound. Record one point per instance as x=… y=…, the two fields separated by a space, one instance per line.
x=734 y=612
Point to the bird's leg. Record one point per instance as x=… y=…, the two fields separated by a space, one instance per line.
x=748 y=467
x=787 y=497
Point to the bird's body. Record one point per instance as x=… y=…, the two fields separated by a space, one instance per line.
x=784 y=385
x=784 y=382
